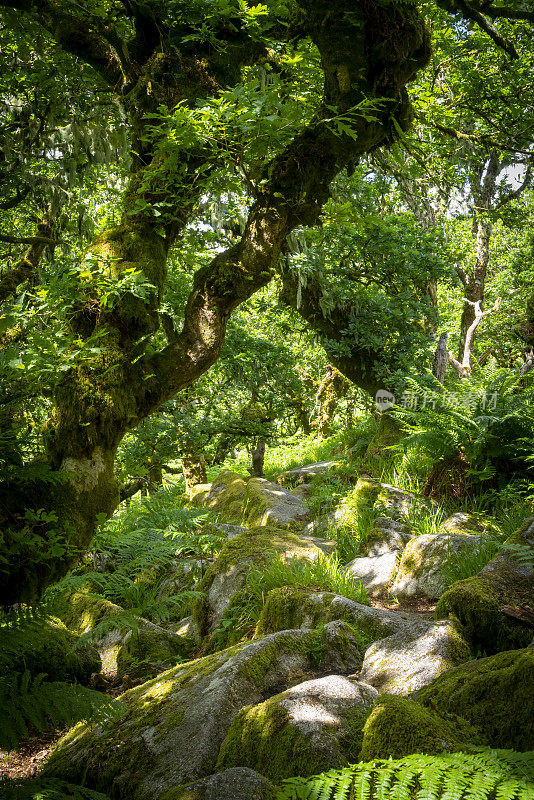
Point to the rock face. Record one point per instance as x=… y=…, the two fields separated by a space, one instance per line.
x=303 y=474
x=383 y=547
x=496 y=694
x=420 y=572
x=224 y=496
x=46 y=646
x=461 y=523
x=267 y=503
x=307 y=729
x=227 y=575
x=496 y=605
x=414 y=657
x=239 y=783
x=172 y=728
x=291 y=607
x=398 y=726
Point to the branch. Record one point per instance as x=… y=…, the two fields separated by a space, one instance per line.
x=87 y=36
x=476 y=16
x=27 y=240
x=24 y=270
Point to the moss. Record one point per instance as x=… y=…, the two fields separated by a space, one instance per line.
x=476 y=603
x=224 y=496
x=398 y=726
x=462 y=523
x=149 y=645
x=262 y=737
x=288 y=607
x=291 y=607
x=496 y=694
x=255 y=548
x=81 y=611
x=47 y=646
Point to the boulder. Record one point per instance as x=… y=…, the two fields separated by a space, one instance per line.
x=47 y=646
x=171 y=728
x=82 y=611
x=309 y=728
x=239 y=783
x=420 y=571
x=461 y=523
x=227 y=574
x=292 y=607
x=399 y=726
x=323 y=523
x=381 y=553
x=267 y=503
x=303 y=474
x=224 y=496
x=414 y=657
x=496 y=606
x=495 y=693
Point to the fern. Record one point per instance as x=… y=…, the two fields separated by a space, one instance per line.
x=46 y=789
x=41 y=704
x=486 y=775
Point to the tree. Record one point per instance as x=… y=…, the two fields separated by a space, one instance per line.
x=177 y=70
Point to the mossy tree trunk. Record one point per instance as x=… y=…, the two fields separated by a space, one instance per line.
x=368 y=50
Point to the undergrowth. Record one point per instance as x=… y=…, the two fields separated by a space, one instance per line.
x=488 y=775
x=36 y=704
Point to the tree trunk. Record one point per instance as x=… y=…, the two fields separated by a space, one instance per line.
x=441 y=359
x=194 y=471
x=333 y=387
x=258 y=458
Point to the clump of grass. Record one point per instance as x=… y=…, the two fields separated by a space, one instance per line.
x=323 y=575
x=470 y=560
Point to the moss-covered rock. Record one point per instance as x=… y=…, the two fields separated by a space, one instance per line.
x=81 y=611
x=292 y=607
x=496 y=694
x=150 y=642
x=420 y=571
x=239 y=783
x=461 y=523
x=299 y=475
x=307 y=729
x=399 y=726
x=267 y=503
x=489 y=604
x=414 y=657
x=226 y=576
x=173 y=726
x=47 y=646
x=224 y=496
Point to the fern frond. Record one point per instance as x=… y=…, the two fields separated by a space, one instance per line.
x=43 y=704
x=484 y=775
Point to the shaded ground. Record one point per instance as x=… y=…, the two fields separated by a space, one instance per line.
x=25 y=762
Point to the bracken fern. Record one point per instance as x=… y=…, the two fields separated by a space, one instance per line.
x=486 y=775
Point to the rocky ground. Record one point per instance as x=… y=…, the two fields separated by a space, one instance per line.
x=322 y=681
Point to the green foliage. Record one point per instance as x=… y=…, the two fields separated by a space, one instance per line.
x=325 y=574
x=469 y=561
x=137 y=547
x=502 y=774
x=28 y=703
x=46 y=789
